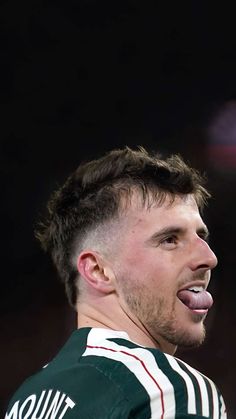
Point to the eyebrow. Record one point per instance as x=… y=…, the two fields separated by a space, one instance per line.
x=202 y=231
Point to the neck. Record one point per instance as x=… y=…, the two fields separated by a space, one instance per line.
x=90 y=316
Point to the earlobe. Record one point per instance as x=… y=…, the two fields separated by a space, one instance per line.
x=93 y=268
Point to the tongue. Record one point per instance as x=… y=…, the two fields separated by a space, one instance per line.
x=196 y=300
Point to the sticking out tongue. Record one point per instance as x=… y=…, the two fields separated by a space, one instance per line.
x=196 y=300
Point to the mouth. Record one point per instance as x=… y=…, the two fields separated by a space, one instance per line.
x=196 y=298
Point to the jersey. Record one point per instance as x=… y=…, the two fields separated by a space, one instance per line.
x=102 y=374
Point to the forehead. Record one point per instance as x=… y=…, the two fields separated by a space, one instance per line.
x=177 y=209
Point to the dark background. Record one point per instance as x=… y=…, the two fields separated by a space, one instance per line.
x=77 y=79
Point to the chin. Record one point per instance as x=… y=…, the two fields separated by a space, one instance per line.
x=191 y=337
x=190 y=340
x=190 y=344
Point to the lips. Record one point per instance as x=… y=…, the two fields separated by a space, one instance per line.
x=196 y=298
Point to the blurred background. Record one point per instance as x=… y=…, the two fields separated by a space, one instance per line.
x=79 y=78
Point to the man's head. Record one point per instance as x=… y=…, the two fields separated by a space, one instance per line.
x=100 y=205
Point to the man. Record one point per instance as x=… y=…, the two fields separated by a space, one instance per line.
x=128 y=240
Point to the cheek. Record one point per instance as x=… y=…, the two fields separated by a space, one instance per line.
x=133 y=259
x=162 y=278
x=155 y=275
x=154 y=269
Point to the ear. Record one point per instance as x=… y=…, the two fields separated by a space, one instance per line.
x=95 y=271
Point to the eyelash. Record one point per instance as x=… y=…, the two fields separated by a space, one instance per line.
x=173 y=238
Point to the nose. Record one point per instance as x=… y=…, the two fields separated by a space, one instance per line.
x=203 y=256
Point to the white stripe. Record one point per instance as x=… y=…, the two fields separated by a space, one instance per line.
x=189 y=385
x=203 y=389
x=223 y=414
x=141 y=374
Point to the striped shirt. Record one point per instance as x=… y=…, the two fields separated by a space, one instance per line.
x=102 y=374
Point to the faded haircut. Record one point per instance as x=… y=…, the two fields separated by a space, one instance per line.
x=92 y=197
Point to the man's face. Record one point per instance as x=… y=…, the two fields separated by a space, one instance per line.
x=162 y=263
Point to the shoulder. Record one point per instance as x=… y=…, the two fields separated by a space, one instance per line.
x=84 y=393
x=76 y=384
x=165 y=383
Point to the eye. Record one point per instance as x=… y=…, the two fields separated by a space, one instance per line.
x=169 y=242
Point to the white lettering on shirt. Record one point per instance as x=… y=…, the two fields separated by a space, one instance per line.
x=46 y=406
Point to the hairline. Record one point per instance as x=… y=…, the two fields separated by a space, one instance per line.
x=103 y=229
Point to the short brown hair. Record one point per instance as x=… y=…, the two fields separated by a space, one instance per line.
x=92 y=195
